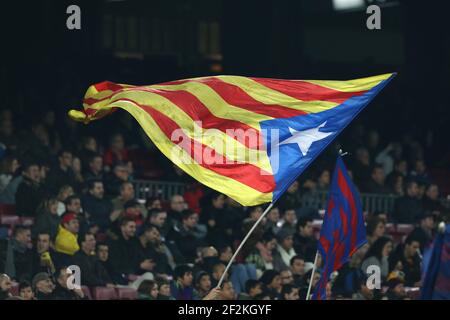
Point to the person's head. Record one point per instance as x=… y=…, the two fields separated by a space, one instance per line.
x=217 y=200
x=73 y=204
x=31 y=171
x=227 y=292
x=269 y=240
x=89 y=143
x=297 y=264
x=5 y=282
x=50 y=205
x=381 y=215
x=289 y=292
x=132 y=209
x=96 y=163
x=412 y=246
x=128 y=228
x=117 y=143
x=324 y=178
x=289 y=216
x=412 y=189
x=25 y=290
x=177 y=203
x=43 y=283
x=271 y=279
x=121 y=171
x=65 y=192
x=225 y=253
x=396 y=287
x=70 y=222
x=203 y=281
x=255 y=213
x=208 y=252
x=402 y=167
x=285 y=239
x=149 y=288
x=432 y=192
x=286 y=277
x=96 y=188
x=157 y=217
x=378 y=174
x=9 y=165
x=22 y=235
x=217 y=270
x=62 y=275
x=164 y=288
x=293 y=188
x=153 y=203
x=151 y=234
x=183 y=275
x=102 y=251
x=420 y=166
x=382 y=247
x=253 y=287
x=362 y=155
x=273 y=215
x=65 y=158
x=426 y=221
x=87 y=242
x=376 y=228
x=42 y=242
x=189 y=219
x=305 y=227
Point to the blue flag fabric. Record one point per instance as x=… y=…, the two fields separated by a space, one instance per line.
x=343 y=230
x=436 y=284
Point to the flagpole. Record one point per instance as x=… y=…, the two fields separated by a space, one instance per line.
x=219 y=284
x=312 y=275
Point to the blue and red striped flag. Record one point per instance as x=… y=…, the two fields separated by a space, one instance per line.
x=343 y=230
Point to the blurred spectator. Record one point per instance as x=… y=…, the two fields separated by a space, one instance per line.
x=408 y=254
x=408 y=207
x=272 y=283
x=289 y=220
x=126 y=194
x=158 y=218
x=291 y=199
x=361 y=168
x=164 y=290
x=47 y=219
x=43 y=255
x=5 y=286
x=102 y=254
x=419 y=173
x=89 y=150
x=289 y=292
x=94 y=170
x=116 y=151
x=63 y=193
x=261 y=257
x=323 y=182
x=431 y=201
x=284 y=251
x=272 y=220
x=8 y=168
x=297 y=267
x=43 y=287
x=227 y=292
x=97 y=207
x=202 y=284
x=62 y=291
x=378 y=255
x=181 y=288
x=396 y=290
x=177 y=205
x=424 y=231
x=148 y=290
x=376 y=228
x=26 y=291
x=18 y=255
x=114 y=180
x=376 y=182
x=153 y=203
x=287 y=277
x=253 y=288
x=62 y=174
x=66 y=240
x=30 y=191
x=304 y=242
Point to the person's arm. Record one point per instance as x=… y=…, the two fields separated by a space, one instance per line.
x=213 y=294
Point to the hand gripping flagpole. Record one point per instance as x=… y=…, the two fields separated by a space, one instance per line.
x=312 y=275
x=219 y=284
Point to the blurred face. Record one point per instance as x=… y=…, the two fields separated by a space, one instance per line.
x=5 y=283
x=218 y=271
x=413 y=190
x=378 y=175
x=293 y=295
x=7 y=127
x=97 y=190
x=227 y=292
x=65 y=193
x=205 y=283
x=271 y=244
x=433 y=192
x=428 y=223
x=43 y=243
x=45 y=286
x=121 y=172
x=74 y=205
x=363 y=157
x=273 y=215
x=324 y=178
x=177 y=203
x=153 y=235
x=276 y=283
x=256 y=213
x=103 y=253
x=118 y=143
x=191 y=221
x=129 y=229
x=91 y=144
x=76 y=165
x=290 y=216
x=26 y=293
x=53 y=207
x=164 y=290
x=24 y=237
x=96 y=164
x=380 y=230
x=293 y=188
x=73 y=226
x=307 y=230
x=402 y=167
x=186 y=280
x=420 y=166
x=219 y=202
x=66 y=159
x=226 y=254
x=316 y=278
x=366 y=292
x=399 y=290
x=387 y=249
x=298 y=267
x=286 y=277
x=156 y=204
x=14 y=165
x=159 y=219
x=411 y=249
x=127 y=191
x=62 y=278
x=154 y=291
x=33 y=173
x=287 y=243
x=89 y=243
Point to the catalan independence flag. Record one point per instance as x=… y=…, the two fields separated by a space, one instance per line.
x=248 y=138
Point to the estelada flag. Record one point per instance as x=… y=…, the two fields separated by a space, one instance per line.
x=248 y=138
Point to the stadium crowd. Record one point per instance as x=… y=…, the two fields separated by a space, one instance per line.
x=68 y=198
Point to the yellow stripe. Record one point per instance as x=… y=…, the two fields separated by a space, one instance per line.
x=240 y=192
x=267 y=95
x=361 y=84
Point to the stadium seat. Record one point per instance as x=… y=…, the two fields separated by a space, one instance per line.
x=104 y=293
x=27 y=221
x=9 y=220
x=126 y=293
x=86 y=292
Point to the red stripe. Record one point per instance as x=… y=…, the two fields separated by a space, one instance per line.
x=235 y=96
x=354 y=214
x=307 y=91
x=344 y=221
x=107 y=85
x=245 y=173
x=196 y=110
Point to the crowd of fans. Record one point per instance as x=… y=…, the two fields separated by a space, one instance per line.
x=78 y=195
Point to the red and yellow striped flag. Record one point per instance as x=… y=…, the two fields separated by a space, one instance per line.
x=220 y=129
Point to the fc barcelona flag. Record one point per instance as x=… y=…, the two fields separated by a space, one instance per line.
x=343 y=230
x=248 y=138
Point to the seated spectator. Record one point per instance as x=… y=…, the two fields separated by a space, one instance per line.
x=26 y=291
x=126 y=194
x=62 y=174
x=181 y=288
x=297 y=267
x=291 y=199
x=289 y=292
x=103 y=257
x=8 y=167
x=89 y=148
x=202 y=284
x=361 y=168
x=273 y=220
x=376 y=228
x=30 y=191
x=116 y=151
x=152 y=247
x=43 y=287
x=378 y=255
x=272 y=283
x=158 y=218
x=18 y=264
x=95 y=168
x=177 y=206
x=408 y=254
x=396 y=290
x=284 y=251
x=376 y=183
x=73 y=204
x=289 y=220
x=97 y=207
x=164 y=290
x=303 y=292
x=148 y=290
x=114 y=180
x=419 y=173
x=62 y=290
x=47 y=219
x=424 y=230
x=93 y=273
x=305 y=244
x=227 y=292
x=407 y=208
x=261 y=257
x=287 y=277
x=5 y=286
x=43 y=254
x=253 y=288
x=63 y=193
x=66 y=240
x=431 y=201
x=153 y=203
x=217 y=271
x=323 y=182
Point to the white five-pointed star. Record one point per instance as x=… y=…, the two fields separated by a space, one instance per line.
x=305 y=138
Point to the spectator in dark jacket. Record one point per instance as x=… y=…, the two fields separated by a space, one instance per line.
x=409 y=207
x=96 y=206
x=47 y=220
x=408 y=254
x=304 y=242
x=103 y=257
x=43 y=286
x=376 y=183
x=424 y=231
x=62 y=174
x=62 y=290
x=93 y=274
x=18 y=255
x=30 y=191
x=291 y=199
x=43 y=255
x=114 y=180
x=181 y=288
x=95 y=168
